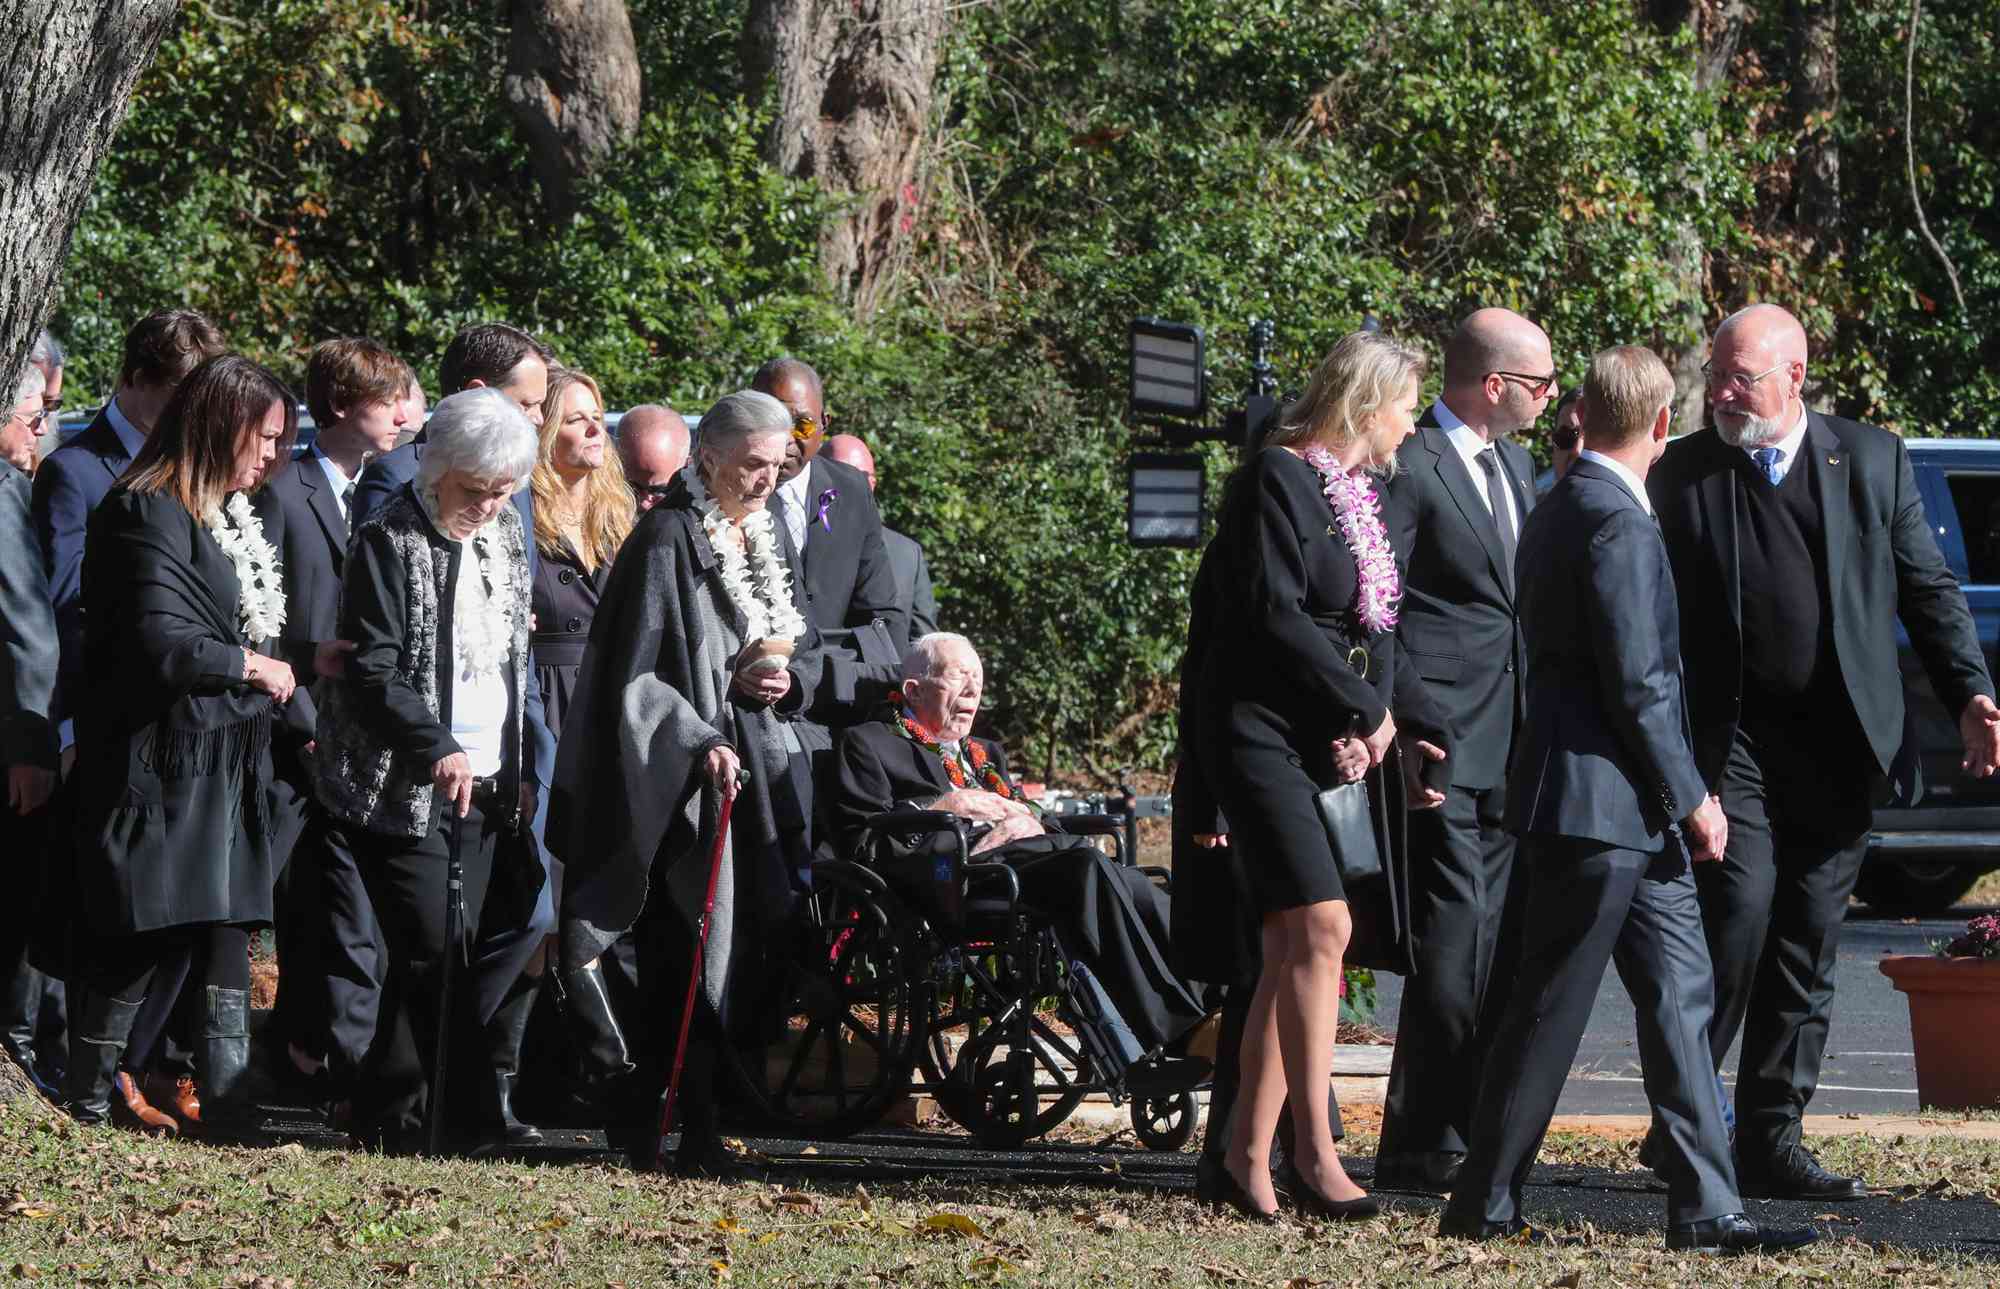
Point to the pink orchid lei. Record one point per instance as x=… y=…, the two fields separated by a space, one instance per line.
x=1359 y=514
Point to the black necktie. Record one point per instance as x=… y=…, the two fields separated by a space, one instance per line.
x=1503 y=514
x=347 y=506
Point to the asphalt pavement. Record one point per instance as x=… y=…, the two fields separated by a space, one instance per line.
x=1869 y=1067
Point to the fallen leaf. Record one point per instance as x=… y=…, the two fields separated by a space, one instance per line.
x=956 y=1223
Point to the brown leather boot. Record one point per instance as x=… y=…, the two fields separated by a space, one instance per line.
x=179 y=1095
x=131 y=1110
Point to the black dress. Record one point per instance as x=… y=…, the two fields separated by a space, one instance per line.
x=1283 y=670
x=565 y=603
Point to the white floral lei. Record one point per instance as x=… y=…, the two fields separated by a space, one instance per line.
x=755 y=576
x=260 y=603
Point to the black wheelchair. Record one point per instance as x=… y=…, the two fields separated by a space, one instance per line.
x=928 y=974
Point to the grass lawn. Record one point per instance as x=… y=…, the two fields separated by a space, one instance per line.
x=102 y=1207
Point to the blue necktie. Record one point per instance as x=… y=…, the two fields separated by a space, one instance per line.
x=1767 y=460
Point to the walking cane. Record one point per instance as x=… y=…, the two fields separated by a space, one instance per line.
x=700 y=958
x=454 y=933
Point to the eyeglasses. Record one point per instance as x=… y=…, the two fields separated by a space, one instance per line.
x=52 y=405
x=36 y=420
x=657 y=491
x=1564 y=437
x=805 y=425
x=1736 y=381
x=1537 y=386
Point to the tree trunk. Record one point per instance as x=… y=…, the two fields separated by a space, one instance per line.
x=1815 y=100
x=71 y=65
x=853 y=85
x=1718 y=29
x=573 y=85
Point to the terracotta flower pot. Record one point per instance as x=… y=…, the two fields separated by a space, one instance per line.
x=1954 y=1014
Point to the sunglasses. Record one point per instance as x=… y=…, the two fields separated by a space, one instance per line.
x=1565 y=437
x=1537 y=386
x=805 y=427
x=657 y=491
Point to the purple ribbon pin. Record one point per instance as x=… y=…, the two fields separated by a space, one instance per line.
x=826 y=500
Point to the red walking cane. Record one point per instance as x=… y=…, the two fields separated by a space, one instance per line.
x=700 y=959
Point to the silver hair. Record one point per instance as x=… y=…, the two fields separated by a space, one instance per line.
x=48 y=352
x=926 y=655
x=481 y=433
x=741 y=416
x=31 y=385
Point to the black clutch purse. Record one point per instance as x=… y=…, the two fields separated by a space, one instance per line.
x=1347 y=812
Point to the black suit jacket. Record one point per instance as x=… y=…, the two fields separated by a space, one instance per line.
x=914 y=595
x=1458 y=619
x=68 y=486
x=849 y=582
x=302 y=521
x=1882 y=564
x=880 y=770
x=1604 y=751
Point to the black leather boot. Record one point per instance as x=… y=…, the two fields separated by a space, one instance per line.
x=97 y=1039
x=604 y=1057
x=223 y=1062
x=20 y=1012
x=503 y=1043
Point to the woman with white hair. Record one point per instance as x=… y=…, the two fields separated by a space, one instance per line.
x=420 y=743
x=699 y=658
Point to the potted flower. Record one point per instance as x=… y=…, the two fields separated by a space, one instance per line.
x=1954 y=1013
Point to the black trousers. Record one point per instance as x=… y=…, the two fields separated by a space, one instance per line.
x=652 y=964
x=1461 y=872
x=1587 y=905
x=31 y=1004
x=331 y=953
x=406 y=884
x=1115 y=920
x=131 y=967
x=1773 y=909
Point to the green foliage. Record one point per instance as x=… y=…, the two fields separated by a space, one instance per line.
x=301 y=168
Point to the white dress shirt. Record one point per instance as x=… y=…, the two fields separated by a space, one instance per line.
x=1470 y=444
x=1633 y=483
x=130 y=435
x=794 y=509
x=1788 y=447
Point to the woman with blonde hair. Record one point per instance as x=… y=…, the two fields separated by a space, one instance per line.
x=1291 y=673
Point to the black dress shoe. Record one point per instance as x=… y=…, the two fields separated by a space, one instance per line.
x=1309 y=1201
x=1430 y=1173
x=1229 y=1193
x=1795 y=1174
x=1454 y=1227
x=1735 y=1233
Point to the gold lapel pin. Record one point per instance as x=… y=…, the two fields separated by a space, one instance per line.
x=1833 y=460
x=1329 y=531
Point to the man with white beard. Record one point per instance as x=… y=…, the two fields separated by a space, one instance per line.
x=1798 y=540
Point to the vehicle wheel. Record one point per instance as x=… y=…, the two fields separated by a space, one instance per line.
x=1164 y=1121
x=1915 y=889
x=841 y=1041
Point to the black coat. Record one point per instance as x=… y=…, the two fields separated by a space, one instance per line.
x=302 y=520
x=565 y=604
x=1271 y=629
x=1459 y=620
x=1882 y=566
x=879 y=770
x=173 y=749
x=1604 y=753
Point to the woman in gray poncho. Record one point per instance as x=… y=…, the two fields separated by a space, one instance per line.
x=699 y=656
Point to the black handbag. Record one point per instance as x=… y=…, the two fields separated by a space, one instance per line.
x=1347 y=812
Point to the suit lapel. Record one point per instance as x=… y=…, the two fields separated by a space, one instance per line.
x=312 y=477
x=1718 y=507
x=1519 y=468
x=1830 y=475
x=1458 y=482
x=928 y=766
x=105 y=445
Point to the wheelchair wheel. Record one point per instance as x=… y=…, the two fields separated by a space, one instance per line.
x=1015 y=1081
x=1164 y=1120
x=840 y=1044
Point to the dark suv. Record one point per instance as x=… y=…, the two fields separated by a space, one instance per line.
x=1923 y=858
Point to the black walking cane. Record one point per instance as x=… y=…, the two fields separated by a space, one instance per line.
x=454 y=934
x=700 y=959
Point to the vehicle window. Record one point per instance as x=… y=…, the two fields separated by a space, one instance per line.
x=1976 y=497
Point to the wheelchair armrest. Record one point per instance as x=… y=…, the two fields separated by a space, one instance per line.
x=1159 y=873
x=977 y=870
x=1092 y=825
x=909 y=821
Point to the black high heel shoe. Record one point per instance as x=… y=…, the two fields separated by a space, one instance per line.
x=1311 y=1202
x=1229 y=1193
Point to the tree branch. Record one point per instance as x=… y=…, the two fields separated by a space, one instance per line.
x=1910 y=154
